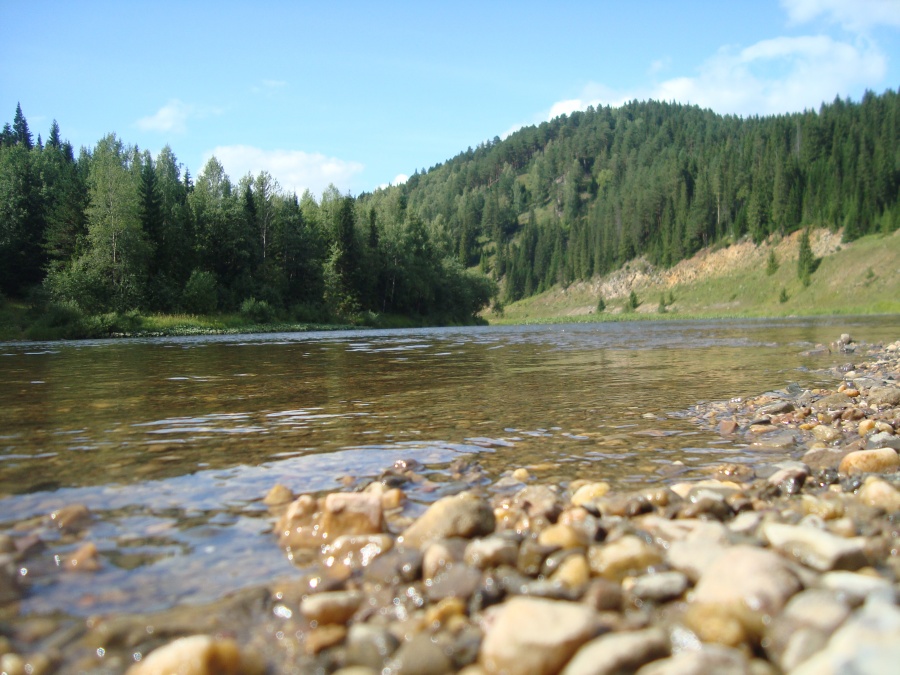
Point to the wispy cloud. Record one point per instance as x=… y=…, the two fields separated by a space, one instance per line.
x=857 y=16
x=173 y=117
x=295 y=170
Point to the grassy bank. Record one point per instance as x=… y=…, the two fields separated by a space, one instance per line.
x=861 y=277
x=20 y=322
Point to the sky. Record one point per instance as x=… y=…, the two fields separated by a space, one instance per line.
x=363 y=94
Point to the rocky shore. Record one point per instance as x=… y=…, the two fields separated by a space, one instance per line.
x=786 y=560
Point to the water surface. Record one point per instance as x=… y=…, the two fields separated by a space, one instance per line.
x=172 y=443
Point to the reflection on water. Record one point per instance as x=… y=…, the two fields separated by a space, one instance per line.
x=172 y=442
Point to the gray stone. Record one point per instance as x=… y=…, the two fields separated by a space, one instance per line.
x=369 y=645
x=454 y=581
x=884 y=396
x=532 y=636
x=420 y=656
x=883 y=439
x=816 y=548
x=776 y=408
x=619 y=652
x=710 y=659
x=491 y=552
x=868 y=642
x=853 y=587
x=832 y=402
x=660 y=587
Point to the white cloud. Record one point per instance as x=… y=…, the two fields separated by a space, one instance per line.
x=399 y=179
x=171 y=118
x=783 y=74
x=856 y=16
x=274 y=84
x=779 y=75
x=295 y=170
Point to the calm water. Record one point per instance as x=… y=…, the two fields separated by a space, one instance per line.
x=172 y=443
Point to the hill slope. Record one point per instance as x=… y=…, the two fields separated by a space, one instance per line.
x=862 y=277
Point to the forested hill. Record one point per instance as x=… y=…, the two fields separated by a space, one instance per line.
x=115 y=229
x=584 y=193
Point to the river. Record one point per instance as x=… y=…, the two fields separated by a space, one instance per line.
x=173 y=443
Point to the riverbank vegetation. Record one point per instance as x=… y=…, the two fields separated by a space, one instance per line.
x=94 y=243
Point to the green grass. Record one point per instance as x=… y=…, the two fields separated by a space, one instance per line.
x=860 y=278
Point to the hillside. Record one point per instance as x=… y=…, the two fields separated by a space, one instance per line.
x=862 y=277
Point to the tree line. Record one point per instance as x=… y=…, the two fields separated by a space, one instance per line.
x=115 y=230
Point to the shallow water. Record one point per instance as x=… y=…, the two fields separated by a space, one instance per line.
x=172 y=443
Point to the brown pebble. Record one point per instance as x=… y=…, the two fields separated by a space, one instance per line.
x=71 y=518
x=880 y=460
x=84 y=559
x=324 y=637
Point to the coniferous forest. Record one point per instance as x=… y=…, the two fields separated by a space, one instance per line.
x=112 y=229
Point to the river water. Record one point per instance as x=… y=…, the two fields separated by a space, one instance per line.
x=173 y=443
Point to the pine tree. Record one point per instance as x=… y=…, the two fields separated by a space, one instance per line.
x=806 y=261
x=20 y=129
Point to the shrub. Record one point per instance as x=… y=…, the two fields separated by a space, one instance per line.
x=258 y=311
x=200 y=293
x=601 y=304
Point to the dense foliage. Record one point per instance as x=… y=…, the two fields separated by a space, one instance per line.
x=115 y=230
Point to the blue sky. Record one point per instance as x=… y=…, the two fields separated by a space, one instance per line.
x=362 y=94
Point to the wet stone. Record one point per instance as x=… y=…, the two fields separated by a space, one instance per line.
x=198 y=655
x=71 y=518
x=463 y=515
x=331 y=607
x=9 y=580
